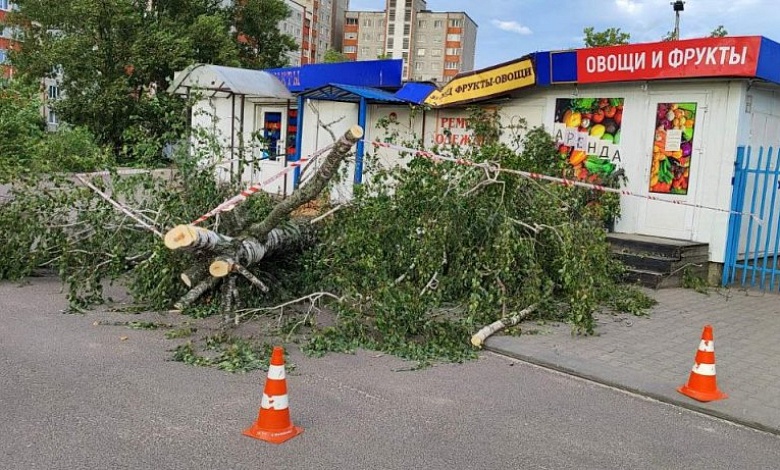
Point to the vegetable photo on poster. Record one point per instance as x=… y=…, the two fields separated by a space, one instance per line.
x=672 y=148
x=587 y=135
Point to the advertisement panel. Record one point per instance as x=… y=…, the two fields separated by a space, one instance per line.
x=587 y=133
x=707 y=57
x=675 y=124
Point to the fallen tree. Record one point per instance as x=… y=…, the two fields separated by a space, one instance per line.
x=231 y=256
x=420 y=259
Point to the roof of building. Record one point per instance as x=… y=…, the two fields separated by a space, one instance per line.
x=351 y=94
x=226 y=81
x=415 y=92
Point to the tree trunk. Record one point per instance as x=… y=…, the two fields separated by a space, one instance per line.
x=231 y=256
x=190 y=237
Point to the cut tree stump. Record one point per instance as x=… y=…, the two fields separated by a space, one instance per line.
x=229 y=256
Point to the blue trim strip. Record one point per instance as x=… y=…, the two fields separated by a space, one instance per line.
x=360 y=146
x=298 y=140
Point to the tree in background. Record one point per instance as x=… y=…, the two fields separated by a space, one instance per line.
x=608 y=37
x=115 y=58
x=332 y=56
x=719 y=32
x=260 y=43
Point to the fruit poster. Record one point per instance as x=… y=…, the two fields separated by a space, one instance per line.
x=587 y=134
x=672 y=148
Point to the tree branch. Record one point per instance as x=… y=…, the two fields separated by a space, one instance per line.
x=310 y=191
x=478 y=339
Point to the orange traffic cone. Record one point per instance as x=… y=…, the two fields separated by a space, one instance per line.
x=702 y=384
x=273 y=421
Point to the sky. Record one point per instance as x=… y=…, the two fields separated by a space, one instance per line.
x=508 y=29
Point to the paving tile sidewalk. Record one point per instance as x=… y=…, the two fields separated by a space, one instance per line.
x=653 y=355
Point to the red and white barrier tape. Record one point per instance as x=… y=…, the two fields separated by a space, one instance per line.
x=553 y=179
x=231 y=203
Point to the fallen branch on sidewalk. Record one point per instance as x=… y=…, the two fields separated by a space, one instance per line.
x=479 y=338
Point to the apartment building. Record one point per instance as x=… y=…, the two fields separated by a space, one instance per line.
x=317 y=26
x=433 y=45
x=6 y=39
x=295 y=26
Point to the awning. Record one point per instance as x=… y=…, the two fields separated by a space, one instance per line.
x=217 y=80
x=351 y=94
x=415 y=92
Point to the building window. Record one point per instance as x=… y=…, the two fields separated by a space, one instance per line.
x=438 y=23
x=3 y=56
x=408 y=15
x=435 y=67
x=52 y=117
x=421 y=52
x=350 y=49
x=367 y=37
x=380 y=52
x=404 y=55
x=54 y=92
x=407 y=29
x=451 y=65
x=436 y=52
x=390 y=43
x=456 y=23
x=381 y=37
x=422 y=24
x=391 y=14
x=453 y=51
x=364 y=51
x=353 y=21
x=350 y=36
x=406 y=43
x=4 y=5
x=418 y=66
x=453 y=37
x=367 y=22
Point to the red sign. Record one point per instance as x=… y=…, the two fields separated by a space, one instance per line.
x=708 y=57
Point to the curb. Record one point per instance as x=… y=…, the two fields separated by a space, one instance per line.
x=655 y=396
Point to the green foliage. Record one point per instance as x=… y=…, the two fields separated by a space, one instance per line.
x=465 y=247
x=260 y=43
x=691 y=280
x=719 y=32
x=423 y=256
x=186 y=353
x=28 y=150
x=57 y=222
x=114 y=60
x=332 y=55
x=608 y=37
x=225 y=352
x=21 y=126
x=181 y=332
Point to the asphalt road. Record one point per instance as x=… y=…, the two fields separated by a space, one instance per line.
x=78 y=396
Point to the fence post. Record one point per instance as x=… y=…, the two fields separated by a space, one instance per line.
x=734 y=227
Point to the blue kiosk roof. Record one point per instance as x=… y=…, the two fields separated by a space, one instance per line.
x=351 y=94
